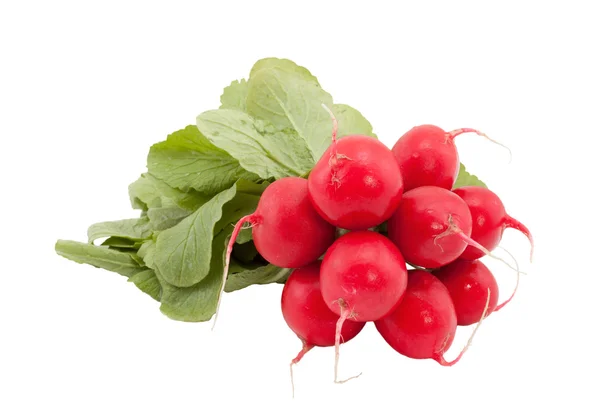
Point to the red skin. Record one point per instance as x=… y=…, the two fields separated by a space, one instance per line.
x=356 y=184
x=364 y=274
x=489 y=219
x=427 y=156
x=306 y=313
x=286 y=229
x=424 y=324
x=422 y=216
x=468 y=283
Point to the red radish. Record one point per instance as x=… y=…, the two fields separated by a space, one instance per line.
x=431 y=227
x=286 y=229
x=308 y=316
x=489 y=220
x=363 y=277
x=427 y=156
x=468 y=282
x=424 y=324
x=357 y=183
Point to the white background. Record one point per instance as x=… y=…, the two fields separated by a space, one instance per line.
x=87 y=87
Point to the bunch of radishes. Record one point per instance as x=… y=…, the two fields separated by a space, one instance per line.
x=350 y=230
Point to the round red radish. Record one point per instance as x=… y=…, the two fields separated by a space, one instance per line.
x=431 y=227
x=363 y=276
x=468 y=283
x=424 y=324
x=306 y=313
x=489 y=220
x=286 y=229
x=427 y=156
x=356 y=184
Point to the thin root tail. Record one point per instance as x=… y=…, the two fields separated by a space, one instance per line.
x=503 y=304
x=453 y=134
x=236 y=230
x=440 y=358
x=305 y=349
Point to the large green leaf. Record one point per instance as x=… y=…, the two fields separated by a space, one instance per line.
x=291 y=99
x=183 y=253
x=137 y=229
x=198 y=302
x=187 y=160
x=258 y=146
x=151 y=192
x=98 y=256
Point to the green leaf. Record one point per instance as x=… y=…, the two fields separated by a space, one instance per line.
x=187 y=160
x=146 y=252
x=151 y=192
x=351 y=121
x=198 y=302
x=121 y=243
x=165 y=218
x=148 y=283
x=259 y=147
x=466 y=179
x=132 y=229
x=291 y=99
x=261 y=275
x=234 y=95
x=100 y=257
x=183 y=253
x=283 y=65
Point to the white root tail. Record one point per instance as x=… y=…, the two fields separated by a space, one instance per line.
x=344 y=314
x=305 y=349
x=234 y=235
x=440 y=359
x=453 y=134
x=503 y=304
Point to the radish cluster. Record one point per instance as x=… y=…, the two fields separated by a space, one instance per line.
x=349 y=269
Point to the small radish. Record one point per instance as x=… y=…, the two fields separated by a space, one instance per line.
x=286 y=229
x=363 y=278
x=431 y=227
x=489 y=220
x=424 y=324
x=357 y=183
x=308 y=316
x=427 y=156
x=468 y=282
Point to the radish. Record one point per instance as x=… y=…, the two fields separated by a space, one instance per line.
x=424 y=324
x=363 y=278
x=468 y=282
x=489 y=220
x=427 y=156
x=357 y=183
x=431 y=227
x=308 y=316
x=286 y=229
